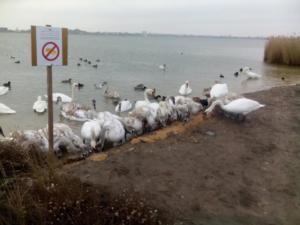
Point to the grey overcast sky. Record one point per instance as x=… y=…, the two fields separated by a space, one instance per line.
x=202 y=17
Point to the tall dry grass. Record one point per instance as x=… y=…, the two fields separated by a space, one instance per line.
x=33 y=191
x=283 y=50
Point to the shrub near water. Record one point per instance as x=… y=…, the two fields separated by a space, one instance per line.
x=32 y=191
x=283 y=50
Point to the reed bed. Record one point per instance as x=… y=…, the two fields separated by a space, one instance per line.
x=283 y=50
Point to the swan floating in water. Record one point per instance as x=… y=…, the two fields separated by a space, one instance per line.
x=123 y=106
x=100 y=85
x=63 y=97
x=3 y=90
x=108 y=93
x=40 y=106
x=163 y=67
x=251 y=75
x=185 y=89
x=75 y=111
x=5 y=109
x=240 y=106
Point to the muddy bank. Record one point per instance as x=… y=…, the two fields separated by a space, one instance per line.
x=217 y=171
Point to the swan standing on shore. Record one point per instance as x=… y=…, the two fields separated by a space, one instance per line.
x=241 y=106
x=185 y=89
x=39 y=105
x=114 y=132
x=218 y=91
x=90 y=132
x=5 y=109
x=65 y=141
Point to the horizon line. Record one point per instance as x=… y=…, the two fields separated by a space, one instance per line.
x=146 y=33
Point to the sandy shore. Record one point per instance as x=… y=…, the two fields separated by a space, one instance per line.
x=214 y=170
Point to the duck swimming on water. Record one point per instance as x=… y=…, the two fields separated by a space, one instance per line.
x=68 y=81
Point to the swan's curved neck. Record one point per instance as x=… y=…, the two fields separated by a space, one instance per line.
x=146 y=96
x=72 y=93
x=214 y=104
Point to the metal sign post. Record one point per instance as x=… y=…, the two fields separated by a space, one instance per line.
x=49 y=47
x=50 y=108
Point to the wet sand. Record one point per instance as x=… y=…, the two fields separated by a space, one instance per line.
x=213 y=170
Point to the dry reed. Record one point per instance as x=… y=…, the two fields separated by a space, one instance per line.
x=283 y=50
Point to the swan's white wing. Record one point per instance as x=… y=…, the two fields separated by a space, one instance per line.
x=40 y=106
x=183 y=90
x=64 y=98
x=242 y=105
x=6 y=110
x=218 y=90
x=251 y=74
x=3 y=90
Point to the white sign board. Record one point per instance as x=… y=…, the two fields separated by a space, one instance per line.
x=48 y=46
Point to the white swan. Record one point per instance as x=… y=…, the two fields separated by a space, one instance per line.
x=241 y=106
x=100 y=85
x=164 y=112
x=5 y=109
x=218 y=91
x=114 y=132
x=251 y=75
x=90 y=131
x=163 y=67
x=75 y=111
x=185 y=89
x=40 y=105
x=123 y=106
x=63 y=97
x=147 y=92
x=147 y=114
x=193 y=107
x=132 y=124
x=65 y=141
x=3 y=90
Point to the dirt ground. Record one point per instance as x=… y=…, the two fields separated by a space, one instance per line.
x=217 y=171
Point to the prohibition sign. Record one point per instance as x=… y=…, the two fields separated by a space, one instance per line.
x=50 y=51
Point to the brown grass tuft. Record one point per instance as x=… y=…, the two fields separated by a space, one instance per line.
x=33 y=191
x=283 y=50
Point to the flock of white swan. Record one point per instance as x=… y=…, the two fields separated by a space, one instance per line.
x=151 y=113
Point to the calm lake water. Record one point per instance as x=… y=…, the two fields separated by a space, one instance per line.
x=127 y=61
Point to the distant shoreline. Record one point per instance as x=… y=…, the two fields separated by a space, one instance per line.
x=142 y=34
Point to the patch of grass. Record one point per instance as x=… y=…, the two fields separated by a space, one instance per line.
x=283 y=50
x=33 y=191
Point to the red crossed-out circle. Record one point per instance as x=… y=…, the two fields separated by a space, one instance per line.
x=53 y=46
